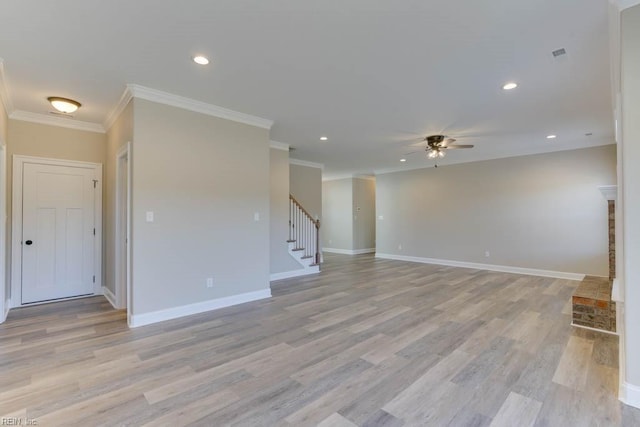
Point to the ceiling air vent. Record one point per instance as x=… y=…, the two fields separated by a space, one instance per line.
x=559 y=52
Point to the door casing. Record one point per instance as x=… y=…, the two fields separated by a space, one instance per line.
x=122 y=255
x=16 y=223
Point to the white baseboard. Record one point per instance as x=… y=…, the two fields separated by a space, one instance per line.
x=109 y=296
x=5 y=311
x=198 y=307
x=349 y=251
x=630 y=395
x=293 y=273
x=490 y=267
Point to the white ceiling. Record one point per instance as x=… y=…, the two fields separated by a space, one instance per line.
x=372 y=75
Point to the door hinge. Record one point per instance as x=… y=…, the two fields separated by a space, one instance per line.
x=95 y=183
x=94 y=231
x=94 y=279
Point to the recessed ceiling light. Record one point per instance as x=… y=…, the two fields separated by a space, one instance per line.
x=64 y=105
x=551 y=137
x=323 y=138
x=201 y=60
x=510 y=85
x=403 y=160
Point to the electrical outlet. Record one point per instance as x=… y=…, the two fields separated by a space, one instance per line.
x=380 y=217
x=209 y=282
x=487 y=254
x=330 y=241
x=399 y=247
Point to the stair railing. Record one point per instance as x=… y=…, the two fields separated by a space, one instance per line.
x=304 y=230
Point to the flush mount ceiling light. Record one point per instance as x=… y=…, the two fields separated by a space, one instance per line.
x=510 y=85
x=64 y=105
x=201 y=60
x=323 y=138
x=403 y=160
x=551 y=137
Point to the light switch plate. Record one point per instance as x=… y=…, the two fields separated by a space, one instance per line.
x=150 y=216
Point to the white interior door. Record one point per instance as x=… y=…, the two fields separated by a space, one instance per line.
x=58 y=233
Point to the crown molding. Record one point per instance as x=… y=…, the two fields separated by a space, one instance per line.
x=367 y=177
x=305 y=163
x=5 y=98
x=279 y=146
x=44 y=119
x=118 y=109
x=625 y=4
x=178 y=101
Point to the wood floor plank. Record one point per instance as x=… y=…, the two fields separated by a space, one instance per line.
x=367 y=342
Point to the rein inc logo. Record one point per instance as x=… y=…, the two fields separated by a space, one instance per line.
x=18 y=421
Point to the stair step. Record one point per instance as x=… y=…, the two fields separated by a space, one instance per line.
x=291 y=241
x=307 y=257
x=314 y=265
x=297 y=249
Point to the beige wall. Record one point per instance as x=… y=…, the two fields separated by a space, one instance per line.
x=542 y=211
x=630 y=53
x=337 y=211
x=118 y=135
x=204 y=178
x=364 y=214
x=38 y=140
x=280 y=259
x=305 y=184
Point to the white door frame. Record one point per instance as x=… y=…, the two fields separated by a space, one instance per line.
x=16 y=222
x=123 y=224
x=4 y=303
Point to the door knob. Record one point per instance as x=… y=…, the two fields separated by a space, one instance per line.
x=28 y=242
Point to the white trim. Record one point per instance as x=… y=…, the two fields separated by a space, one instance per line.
x=594 y=329
x=178 y=101
x=490 y=267
x=5 y=96
x=292 y=273
x=122 y=290
x=125 y=98
x=279 y=146
x=349 y=251
x=65 y=122
x=367 y=177
x=616 y=291
x=609 y=192
x=16 y=222
x=299 y=162
x=630 y=394
x=199 y=307
x=625 y=4
x=4 y=298
x=109 y=296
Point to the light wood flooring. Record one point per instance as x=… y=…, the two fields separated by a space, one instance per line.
x=367 y=342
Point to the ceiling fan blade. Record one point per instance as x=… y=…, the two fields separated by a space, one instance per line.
x=449 y=147
x=413 y=152
x=447 y=141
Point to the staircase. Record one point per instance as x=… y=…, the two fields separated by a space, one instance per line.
x=304 y=233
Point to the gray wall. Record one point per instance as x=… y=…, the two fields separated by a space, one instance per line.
x=630 y=52
x=118 y=135
x=337 y=202
x=542 y=211
x=364 y=213
x=280 y=259
x=305 y=184
x=204 y=178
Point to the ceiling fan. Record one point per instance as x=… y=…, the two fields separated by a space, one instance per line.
x=437 y=145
